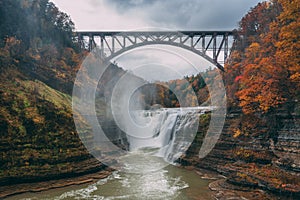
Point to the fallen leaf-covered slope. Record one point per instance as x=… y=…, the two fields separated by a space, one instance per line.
x=38 y=139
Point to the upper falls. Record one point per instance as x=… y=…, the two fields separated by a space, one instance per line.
x=167 y=131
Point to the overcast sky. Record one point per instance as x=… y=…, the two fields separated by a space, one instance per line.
x=104 y=15
x=175 y=14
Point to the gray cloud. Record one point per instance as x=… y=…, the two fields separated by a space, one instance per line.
x=130 y=4
x=192 y=14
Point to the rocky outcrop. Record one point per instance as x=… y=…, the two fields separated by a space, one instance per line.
x=15 y=189
x=253 y=160
x=287 y=146
x=224 y=190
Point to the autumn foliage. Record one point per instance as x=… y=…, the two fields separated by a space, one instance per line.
x=263 y=71
x=189 y=91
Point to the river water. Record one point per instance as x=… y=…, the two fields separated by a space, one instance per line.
x=169 y=183
x=147 y=181
x=148 y=171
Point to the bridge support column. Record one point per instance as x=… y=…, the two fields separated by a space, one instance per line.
x=226 y=50
x=102 y=48
x=215 y=58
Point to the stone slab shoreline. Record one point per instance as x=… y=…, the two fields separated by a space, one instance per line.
x=7 y=191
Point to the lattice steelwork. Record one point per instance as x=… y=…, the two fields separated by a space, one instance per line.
x=211 y=45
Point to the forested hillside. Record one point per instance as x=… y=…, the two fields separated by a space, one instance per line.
x=191 y=90
x=263 y=72
x=262 y=75
x=38 y=64
x=37 y=38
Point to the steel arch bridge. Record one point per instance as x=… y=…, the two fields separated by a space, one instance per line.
x=211 y=45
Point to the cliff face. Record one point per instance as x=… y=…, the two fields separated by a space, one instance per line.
x=287 y=147
x=269 y=164
x=38 y=139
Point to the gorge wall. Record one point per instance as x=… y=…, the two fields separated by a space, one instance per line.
x=253 y=161
x=38 y=136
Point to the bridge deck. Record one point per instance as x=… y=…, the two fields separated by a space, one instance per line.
x=133 y=33
x=208 y=44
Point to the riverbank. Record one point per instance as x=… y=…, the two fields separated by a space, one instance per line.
x=15 y=189
x=222 y=189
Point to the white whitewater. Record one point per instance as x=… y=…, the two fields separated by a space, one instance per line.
x=169 y=130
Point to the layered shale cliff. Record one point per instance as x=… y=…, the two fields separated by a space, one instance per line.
x=271 y=164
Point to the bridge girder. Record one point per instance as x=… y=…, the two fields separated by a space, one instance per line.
x=207 y=44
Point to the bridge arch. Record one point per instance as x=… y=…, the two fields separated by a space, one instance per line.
x=207 y=44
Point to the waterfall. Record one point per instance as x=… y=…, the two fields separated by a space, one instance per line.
x=169 y=131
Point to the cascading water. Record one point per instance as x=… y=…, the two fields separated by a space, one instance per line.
x=169 y=130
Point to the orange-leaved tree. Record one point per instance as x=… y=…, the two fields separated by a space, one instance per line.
x=288 y=43
x=264 y=80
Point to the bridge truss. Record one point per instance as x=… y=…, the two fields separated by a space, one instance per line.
x=211 y=45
